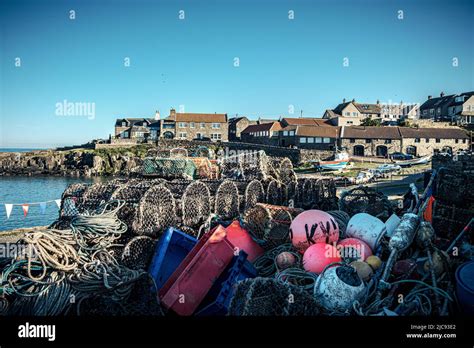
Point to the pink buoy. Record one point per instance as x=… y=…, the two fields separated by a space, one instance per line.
x=311 y=227
x=318 y=256
x=353 y=248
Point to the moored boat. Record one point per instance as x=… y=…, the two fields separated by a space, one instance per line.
x=414 y=161
x=341 y=160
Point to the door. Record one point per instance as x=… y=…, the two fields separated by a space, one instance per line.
x=381 y=151
x=358 y=150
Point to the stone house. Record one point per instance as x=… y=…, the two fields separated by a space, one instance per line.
x=309 y=137
x=237 y=125
x=133 y=128
x=461 y=110
x=352 y=113
x=426 y=141
x=190 y=126
x=304 y=121
x=370 y=141
x=437 y=108
x=265 y=133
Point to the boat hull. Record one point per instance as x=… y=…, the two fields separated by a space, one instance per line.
x=332 y=165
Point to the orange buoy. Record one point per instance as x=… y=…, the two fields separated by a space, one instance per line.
x=354 y=249
x=318 y=256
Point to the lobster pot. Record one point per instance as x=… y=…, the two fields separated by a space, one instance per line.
x=169 y=168
x=274 y=193
x=156 y=212
x=269 y=224
x=449 y=220
x=285 y=171
x=248 y=166
x=204 y=167
x=97 y=194
x=241 y=188
x=131 y=193
x=269 y=297
x=71 y=198
x=254 y=193
x=138 y=252
x=195 y=204
x=326 y=199
x=365 y=200
x=449 y=181
x=178 y=152
x=227 y=200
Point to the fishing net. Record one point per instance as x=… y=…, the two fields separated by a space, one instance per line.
x=227 y=200
x=269 y=224
x=270 y=297
x=286 y=172
x=169 y=168
x=156 y=212
x=71 y=196
x=342 y=219
x=196 y=204
x=203 y=151
x=138 y=252
x=364 y=199
x=178 y=152
x=205 y=168
x=254 y=193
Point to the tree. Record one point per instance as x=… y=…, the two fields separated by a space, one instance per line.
x=369 y=122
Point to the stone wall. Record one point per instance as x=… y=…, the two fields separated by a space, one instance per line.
x=370 y=149
x=423 y=148
x=464 y=163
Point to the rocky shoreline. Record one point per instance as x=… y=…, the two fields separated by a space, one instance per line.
x=77 y=162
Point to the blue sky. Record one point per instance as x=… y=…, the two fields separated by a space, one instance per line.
x=190 y=62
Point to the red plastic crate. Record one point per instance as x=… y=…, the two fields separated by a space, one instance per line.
x=194 y=277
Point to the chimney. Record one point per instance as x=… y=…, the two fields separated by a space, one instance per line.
x=173 y=114
x=157 y=115
x=343 y=100
x=429 y=97
x=353 y=100
x=441 y=94
x=378 y=102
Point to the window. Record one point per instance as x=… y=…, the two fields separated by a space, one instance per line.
x=182 y=125
x=125 y=134
x=326 y=140
x=203 y=125
x=368 y=141
x=347 y=113
x=438 y=140
x=124 y=124
x=216 y=136
x=191 y=125
x=182 y=135
x=431 y=112
x=285 y=133
x=310 y=140
x=352 y=140
x=216 y=125
x=464 y=141
x=456 y=141
x=350 y=122
x=318 y=140
x=354 y=114
x=417 y=140
x=425 y=112
x=198 y=135
x=427 y=140
x=439 y=111
x=275 y=134
x=292 y=133
x=388 y=141
x=303 y=140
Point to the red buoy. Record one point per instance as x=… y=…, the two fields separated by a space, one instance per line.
x=318 y=256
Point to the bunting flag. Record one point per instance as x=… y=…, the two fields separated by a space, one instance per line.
x=26 y=206
x=43 y=207
x=8 y=208
x=25 y=209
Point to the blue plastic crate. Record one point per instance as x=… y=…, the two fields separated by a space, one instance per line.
x=218 y=299
x=170 y=251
